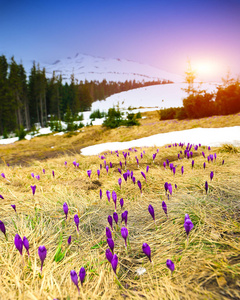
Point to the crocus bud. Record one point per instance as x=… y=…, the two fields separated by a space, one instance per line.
x=166 y=186
x=18 y=243
x=82 y=274
x=109 y=255
x=114 y=197
x=26 y=244
x=124 y=233
x=192 y=164
x=108 y=233
x=120 y=182
x=98 y=173
x=139 y=185
x=170 y=188
x=53 y=173
x=108 y=195
x=170 y=265
x=151 y=211
x=147 y=169
x=69 y=240
x=164 y=207
x=110 y=244
x=37 y=177
x=121 y=203
x=134 y=180
x=32 y=174
x=100 y=194
x=114 y=263
x=65 y=209
x=182 y=169
x=146 y=250
x=110 y=221
x=74 y=278
x=33 y=187
x=1 y=197
x=124 y=216
x=211 y=175
x=14 y=207
x=76 y=220
x=125 y=176
x=42 y=252
x=188 y=225
x=2 y=228
x=89 y=173
x=115 y=217
x=206 y=186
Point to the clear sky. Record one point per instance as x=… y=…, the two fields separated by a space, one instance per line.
x=160 y=33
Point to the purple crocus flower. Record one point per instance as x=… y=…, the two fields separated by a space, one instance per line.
x=120 y=171
x=109 y=255
x=192 y=164
x=139 y=185
x=111 y=165
x=120 y=163
x=65 y=163
x=121 y=203
x=65 y=209
x=134 y=180
x=43 y=171
x=53 y=173
x=98 y=173
x=144 y=176
x=147 y=169
x=74 y=278
x=100 y=166
x=164 y=165
x=151 y=211
x=124 y=233
x=125 y=176
x=14 y=207
x=164 y=207
x=166 y=186
x=188 y=225
x=146 y=250
x=174 y=170
x=110 y=221
x=170 y=265
x=1 y=197
x=76 y=220
x=206 y=186
x=170 y=188
x=42 y=252
x=33 y=187
x=125 y=216
x=89 y=172
x=107 y=169
x=203 y=154
x=108 y=233
x=182 y=169
x=82 y=274
x=154 y=156
x=137 y=162
x=37 y=177
x=114 y=197
x=186 y=217
x=115 y=217
x=211 y=175
x=110 y=244
x=32 y=174
x=100 y=194
x=171 y=166
x=108 y=195
x=75 y=163
x=114 y=263
x=204 y=165
x=69 y=240
x=26 y=244
x=175 y=186
x=223 y=162
x=3 y=175
x=18 y=243
x=120 y=182
x=2 y=228
x=167 y=161
x=105 y=163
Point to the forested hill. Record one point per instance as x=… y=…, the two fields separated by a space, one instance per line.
x=26 y=101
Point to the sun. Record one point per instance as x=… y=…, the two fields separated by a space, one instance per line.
x=205 y=69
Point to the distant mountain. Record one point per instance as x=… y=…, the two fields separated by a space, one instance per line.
x=97 y=68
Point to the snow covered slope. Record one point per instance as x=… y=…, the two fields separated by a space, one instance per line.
x=97 y=68
x=157 y=96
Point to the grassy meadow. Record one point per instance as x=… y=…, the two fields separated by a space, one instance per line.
x=206 y=267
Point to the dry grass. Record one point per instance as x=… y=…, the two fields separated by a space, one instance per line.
x=207 y=268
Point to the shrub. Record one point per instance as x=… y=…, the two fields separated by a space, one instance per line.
x=114 y=118
x=131 y=120
x=21 y=133
x=5 y=133
x=96 y=114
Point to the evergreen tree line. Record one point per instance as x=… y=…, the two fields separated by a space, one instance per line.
x=200 y=104
x=27 y=101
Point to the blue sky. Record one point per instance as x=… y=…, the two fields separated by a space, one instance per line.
x=160 y=33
